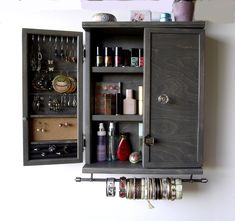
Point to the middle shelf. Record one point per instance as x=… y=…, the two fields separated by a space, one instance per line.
x=120 y=70
x=134 y=118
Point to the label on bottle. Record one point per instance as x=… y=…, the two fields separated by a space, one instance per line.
x=108 y=61
x=101 y=148
x=141 y=61
x=99 y=61
x=134 y=61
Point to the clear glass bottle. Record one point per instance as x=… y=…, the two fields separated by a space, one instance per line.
x=101 y=143
x=112 y=144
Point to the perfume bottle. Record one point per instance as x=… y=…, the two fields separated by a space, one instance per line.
x=140 y=137
x=140 y=100
x=124 y=149
x=129 y=104
x=101 y=143
x=112 y=145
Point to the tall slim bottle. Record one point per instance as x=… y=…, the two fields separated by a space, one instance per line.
x=101 y=143
x=112 y=144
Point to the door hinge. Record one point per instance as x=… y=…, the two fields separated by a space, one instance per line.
x=84 y=53
x=148 y=140
x=84 y=143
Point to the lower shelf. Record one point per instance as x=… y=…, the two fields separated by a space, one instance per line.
x=125 y=167
x=51 y=161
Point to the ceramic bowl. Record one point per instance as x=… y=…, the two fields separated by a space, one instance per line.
x=104 y=17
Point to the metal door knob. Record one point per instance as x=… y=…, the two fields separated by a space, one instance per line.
x=163 y=99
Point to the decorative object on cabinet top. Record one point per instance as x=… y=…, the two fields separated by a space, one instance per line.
x=183 y=10
x=104 y=17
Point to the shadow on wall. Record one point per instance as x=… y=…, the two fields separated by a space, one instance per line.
x=213 y=69
x=211 y=102
x=215 y=11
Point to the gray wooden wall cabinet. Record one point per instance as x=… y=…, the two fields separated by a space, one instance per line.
x=173 y=81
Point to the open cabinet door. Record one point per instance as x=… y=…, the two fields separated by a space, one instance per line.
x=52 y=96
x=173 y=98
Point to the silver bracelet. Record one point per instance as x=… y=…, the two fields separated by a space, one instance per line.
x=110 y=187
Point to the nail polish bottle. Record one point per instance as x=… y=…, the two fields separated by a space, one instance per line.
x=134 y=57
x=108 y=57
x=140 y=100
x=129 y=104
x=141 y=57
x=101 y=143
x=126 y=58
x=118 y=57
x=99 y=57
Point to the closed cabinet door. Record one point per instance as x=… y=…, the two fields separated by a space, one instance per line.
x=173 y=98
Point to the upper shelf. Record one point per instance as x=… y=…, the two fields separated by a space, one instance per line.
x=130 y=25
x=134 y=118
x=117 y=70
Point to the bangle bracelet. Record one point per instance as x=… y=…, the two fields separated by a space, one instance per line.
x=179 y=188
x=173 y=189
x=122 y=187
x=142 y=188
x=138 y=188
x=145 y=188
x=127 y=189
x=133 y=189
x=164 y=188
x=154 y=188
x=158 y=189
x=110 y=187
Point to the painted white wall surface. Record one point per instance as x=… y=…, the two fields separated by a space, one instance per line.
x=49 y=193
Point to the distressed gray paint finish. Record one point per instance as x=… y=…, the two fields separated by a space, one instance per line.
x=175 y=71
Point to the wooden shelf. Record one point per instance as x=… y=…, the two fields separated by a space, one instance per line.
x=53 y=141
x=52 y=115
x=133 y=118
x=125 y=167
x=121 y=70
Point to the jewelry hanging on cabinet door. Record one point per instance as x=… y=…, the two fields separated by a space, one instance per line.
x=50 y=61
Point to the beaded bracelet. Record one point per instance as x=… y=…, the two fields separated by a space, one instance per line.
x=122 y=187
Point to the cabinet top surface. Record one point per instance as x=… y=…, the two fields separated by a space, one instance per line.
x=90 y=25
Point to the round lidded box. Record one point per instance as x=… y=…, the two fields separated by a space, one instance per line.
x=104 y=17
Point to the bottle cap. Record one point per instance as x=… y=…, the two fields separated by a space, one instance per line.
x=140 y=129
x=141 y=52
x=99 y=51
x=107 y=51
x=111 y=125
x=140 y=93
x=134 y=52
x=118 y=51
x=129 y=93
x=101 y=131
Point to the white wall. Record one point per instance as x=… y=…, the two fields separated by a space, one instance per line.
x=49 y=193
